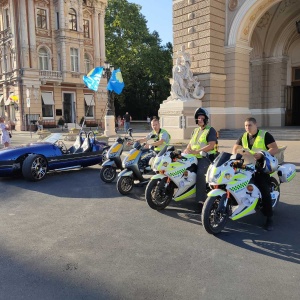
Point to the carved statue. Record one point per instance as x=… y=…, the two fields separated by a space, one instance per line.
x=185 y=85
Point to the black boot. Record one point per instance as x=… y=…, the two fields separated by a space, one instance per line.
x=199 y=207
x=269 y=224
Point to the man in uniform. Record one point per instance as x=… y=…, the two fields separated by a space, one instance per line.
x=204 y=138
x=254 y=141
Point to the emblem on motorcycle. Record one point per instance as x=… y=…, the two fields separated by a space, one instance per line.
x=228 y=176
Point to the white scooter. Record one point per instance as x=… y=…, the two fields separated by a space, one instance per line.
x=113 y=161
x=135 y=165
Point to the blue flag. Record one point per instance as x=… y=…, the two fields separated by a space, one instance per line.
x=116 y=82
x=92 y=79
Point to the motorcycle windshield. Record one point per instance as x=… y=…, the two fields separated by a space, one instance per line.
x=222 y=158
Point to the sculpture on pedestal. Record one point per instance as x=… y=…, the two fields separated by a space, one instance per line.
x=184 y=85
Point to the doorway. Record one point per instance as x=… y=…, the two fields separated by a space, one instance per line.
x=292 y=107
x=69 y=108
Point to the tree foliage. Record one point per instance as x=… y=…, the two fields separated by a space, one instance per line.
x=146 y=65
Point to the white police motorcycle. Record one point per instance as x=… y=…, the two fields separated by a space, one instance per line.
x=233 y=191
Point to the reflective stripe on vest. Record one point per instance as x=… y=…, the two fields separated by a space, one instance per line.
x=198 y=143
x=259 y=142
x=165 y=143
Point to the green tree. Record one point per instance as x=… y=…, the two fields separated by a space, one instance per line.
x=146 y=65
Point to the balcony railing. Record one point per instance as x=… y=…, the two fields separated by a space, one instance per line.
x=44 y=74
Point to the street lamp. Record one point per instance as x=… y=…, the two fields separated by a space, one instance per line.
x=110 y=107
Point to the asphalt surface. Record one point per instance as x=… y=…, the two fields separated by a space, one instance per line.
x=72 y=236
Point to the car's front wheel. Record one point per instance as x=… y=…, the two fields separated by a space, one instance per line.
x=34 y=167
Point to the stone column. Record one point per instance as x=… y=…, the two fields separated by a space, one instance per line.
x=102 y=38
x=237 y=85
x=96 y=39
x=32 y=43
x=24 y=45
x=62 y=26
x=267 y=93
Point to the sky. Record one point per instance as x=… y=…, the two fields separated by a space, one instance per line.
x=158 y=13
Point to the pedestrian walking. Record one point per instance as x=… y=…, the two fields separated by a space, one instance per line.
x=5 y=134
x=127 y=119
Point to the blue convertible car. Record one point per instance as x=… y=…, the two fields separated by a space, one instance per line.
x=36 y=159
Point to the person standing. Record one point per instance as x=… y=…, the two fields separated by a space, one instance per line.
x=127 y=119
x=255 y=140
x=40 y=124
x=5 y=138
x=148 y=122
x=204 y=138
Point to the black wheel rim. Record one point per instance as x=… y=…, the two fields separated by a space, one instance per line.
x=275 y=187
x=126 y=184
x=109 y=173
x=216 y=217
x=39 y=168
x=159 y=197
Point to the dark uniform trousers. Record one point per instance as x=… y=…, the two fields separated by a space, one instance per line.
x=263 y=182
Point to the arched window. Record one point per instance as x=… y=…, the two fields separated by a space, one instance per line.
x=43 y=59
x=72 y=19
x=87 y=63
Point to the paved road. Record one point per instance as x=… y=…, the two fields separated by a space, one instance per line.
x=74 y=237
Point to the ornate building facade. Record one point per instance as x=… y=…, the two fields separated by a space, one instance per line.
x=246 y=54
x=45 y=49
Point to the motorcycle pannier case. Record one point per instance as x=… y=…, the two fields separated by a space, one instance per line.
x=286 y=172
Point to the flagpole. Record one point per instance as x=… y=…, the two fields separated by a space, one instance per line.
x=109 y=112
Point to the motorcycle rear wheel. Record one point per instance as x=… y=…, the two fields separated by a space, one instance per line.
x=108 y=174
x=157 y=196
x=125 y=185
x=213 y=221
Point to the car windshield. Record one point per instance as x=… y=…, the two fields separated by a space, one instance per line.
x=52 y=138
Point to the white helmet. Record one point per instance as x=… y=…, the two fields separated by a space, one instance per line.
x=270 y=163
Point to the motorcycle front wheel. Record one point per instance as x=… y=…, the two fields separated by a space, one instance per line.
x=108 y=174
x=125 y=185
x=157 y=195
x=275 y=187
x=213 y=219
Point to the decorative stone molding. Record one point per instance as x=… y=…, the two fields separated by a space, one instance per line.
x=190 y=45
x=239 y=48
x=264 y=21
x=233 y=4
x=191 y=30
x=191 y=16
x=256 y=10
x=286 y=4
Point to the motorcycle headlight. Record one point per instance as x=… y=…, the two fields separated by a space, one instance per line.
x=212 y=176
